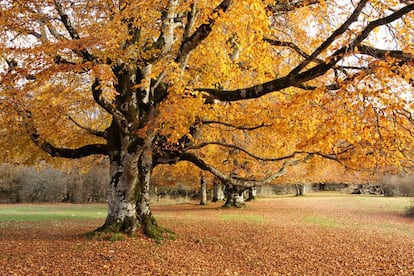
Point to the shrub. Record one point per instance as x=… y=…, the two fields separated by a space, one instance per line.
x=27 y=184
x=398 y=185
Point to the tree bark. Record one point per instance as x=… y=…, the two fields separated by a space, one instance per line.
x=252 y=193
x=218 y=194
x=122 y=195
x=203 y=190
x=149 y=224
x=300 y=189
x=234 y=197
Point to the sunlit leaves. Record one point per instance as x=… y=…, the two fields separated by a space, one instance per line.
x=366 y=120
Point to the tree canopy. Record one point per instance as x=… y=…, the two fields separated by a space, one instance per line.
x=248 y=86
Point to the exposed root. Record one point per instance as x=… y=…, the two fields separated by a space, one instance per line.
x=239 y=205
x=151 y=229
x=116 y=230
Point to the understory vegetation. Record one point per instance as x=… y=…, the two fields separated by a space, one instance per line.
x=30 y=184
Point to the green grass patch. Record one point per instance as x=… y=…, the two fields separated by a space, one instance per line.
x=241 y=217
x=322 y=221
x=51 y=212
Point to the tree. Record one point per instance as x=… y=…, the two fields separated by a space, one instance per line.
x=218 y=192
x=203 y=190
x=157 y=82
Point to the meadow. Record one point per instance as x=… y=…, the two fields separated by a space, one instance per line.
x=314 y=235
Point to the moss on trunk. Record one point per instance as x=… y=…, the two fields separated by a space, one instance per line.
x=128 y=225
x=151 y=229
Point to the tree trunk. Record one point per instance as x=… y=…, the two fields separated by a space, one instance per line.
x=149 y=224
x=300 y=189
x=203 y=190
x=129 y=190
x=129 y=198
x=252 y=193
x=234 y=197
x=218 y=194
x=122 y=195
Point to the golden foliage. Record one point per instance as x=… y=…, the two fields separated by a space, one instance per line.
x=367 y=122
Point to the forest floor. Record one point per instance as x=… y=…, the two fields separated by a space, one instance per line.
x=311 y=235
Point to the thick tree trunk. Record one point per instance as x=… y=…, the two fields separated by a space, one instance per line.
x=203 y=191
x=234 y=197
x=129 y=198
x=300 y=189
x=218 y=193
x=149 y=224
x=122 y=195
x=128 y=192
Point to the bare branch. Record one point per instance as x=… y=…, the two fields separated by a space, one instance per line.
x=99 y=99
x=302 y=53
x=64 y=18
x=321 y=69
x=232 y=146
x=191 y=18
x=289 y=44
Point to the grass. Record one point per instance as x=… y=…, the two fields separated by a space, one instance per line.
x=35 y=213
x=241 y=217
x=322 y=221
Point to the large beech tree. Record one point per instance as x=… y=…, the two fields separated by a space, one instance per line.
x=271 y=83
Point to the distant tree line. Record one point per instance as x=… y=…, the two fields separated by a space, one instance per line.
x=29 y=184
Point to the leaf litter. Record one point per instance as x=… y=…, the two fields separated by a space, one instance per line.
x=214 y=241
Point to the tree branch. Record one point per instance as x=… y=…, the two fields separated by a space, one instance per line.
x=64 y=18
x=302 y=53
x=383 y=54
x=87 y=150
x=236 y=127
x=331 y=38
x=266 y=159
x=117 y=115
x=290 y=5
x=288 y=44
x=322 y=68
x=91 y=131
x=99 y=99
x=191 y=18
x=200 y=163
x=201 y=33
x=294 y=78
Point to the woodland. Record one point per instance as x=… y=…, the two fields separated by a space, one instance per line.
x=242 y=91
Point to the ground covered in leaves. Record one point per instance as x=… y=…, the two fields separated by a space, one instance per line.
x=313 y=235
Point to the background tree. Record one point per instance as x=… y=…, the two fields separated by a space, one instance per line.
x=149 y=82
